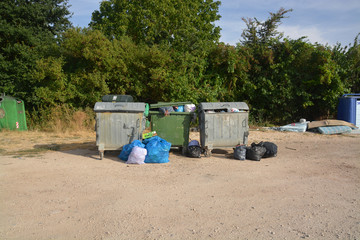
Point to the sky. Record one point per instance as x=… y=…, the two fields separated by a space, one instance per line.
x=327 y=22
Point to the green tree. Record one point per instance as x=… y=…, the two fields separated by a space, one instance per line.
x=348 y=58
x=183 y=25
x=288 y=79
x=353 y=56
x=258 y=32
x=228 y=69
x=28 y=32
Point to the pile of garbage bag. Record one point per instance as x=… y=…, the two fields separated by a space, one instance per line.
x=150 y=150
x=256 y=151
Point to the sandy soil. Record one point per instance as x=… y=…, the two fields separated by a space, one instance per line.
x=311 y=190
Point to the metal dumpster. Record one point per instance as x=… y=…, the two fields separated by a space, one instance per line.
x=175 y=127
x=220 y=127
x=118 y=124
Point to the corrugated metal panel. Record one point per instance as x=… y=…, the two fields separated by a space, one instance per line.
x=114 y=130
x=119 y=107
x=223 y=129
x=223 y=105
x=173 y=128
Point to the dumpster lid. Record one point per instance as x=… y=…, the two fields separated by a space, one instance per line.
x=351 y=95
x=119 y=107
x=166 y=104
x=223 y=105
x=117 y=98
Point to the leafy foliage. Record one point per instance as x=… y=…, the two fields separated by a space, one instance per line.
x=28 y=31
x=183 y=25
x=166 y=50
x=290 y=79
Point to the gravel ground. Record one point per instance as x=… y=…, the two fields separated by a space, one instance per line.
x=311 y=190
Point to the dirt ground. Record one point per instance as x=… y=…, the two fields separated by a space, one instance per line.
x=55 y=187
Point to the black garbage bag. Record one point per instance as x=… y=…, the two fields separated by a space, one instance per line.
x=240 y=152
x=255 y=152
x=194 y=151
x=271 y=149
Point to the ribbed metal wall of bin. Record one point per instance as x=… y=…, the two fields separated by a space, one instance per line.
x=220 y=128
x=118 y=124
x=349 y=108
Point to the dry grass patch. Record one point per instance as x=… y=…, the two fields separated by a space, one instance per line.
x=37 y=142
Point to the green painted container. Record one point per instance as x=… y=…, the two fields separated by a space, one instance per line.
x=174 y=128
x=12 y=114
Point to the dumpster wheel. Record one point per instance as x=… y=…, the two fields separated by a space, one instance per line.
x=101 y=155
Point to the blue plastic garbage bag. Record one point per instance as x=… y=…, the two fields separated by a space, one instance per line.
x=179 y=108
x=157 y=150
x=126 y=150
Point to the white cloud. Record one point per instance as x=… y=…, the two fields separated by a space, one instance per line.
x=313 y=34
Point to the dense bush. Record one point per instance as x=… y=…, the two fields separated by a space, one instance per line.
x=176 y=59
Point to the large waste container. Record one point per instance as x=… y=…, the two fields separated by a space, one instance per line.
x=118 y=124
x=349 y=108
x=223 y=124
x=12 y=114
x=174 y=127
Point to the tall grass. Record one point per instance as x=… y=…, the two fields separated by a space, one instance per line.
x=61 y=119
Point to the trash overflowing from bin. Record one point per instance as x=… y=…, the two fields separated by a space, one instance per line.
x=150 y=150
x=168 y=108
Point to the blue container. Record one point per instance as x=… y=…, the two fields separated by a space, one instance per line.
x=349 y=108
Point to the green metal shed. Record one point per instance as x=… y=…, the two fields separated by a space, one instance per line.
x=12 y=113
